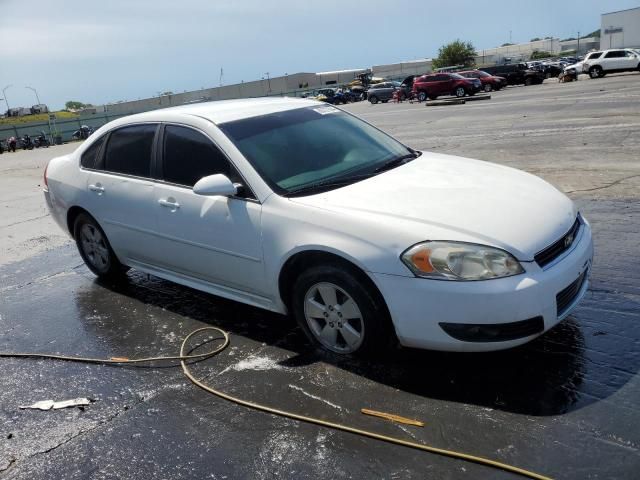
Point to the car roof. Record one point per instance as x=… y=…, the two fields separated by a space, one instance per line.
x=223 y=111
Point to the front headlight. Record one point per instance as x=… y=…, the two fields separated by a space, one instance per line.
x=459 y=261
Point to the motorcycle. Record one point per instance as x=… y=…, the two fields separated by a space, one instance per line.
x=42 y=141
x=26 y=143
x=83 y=133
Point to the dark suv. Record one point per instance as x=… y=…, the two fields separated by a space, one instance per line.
x=516 y=74
x=437 y=84
x=382 y=92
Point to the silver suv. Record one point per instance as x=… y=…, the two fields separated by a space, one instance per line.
x=598 y=64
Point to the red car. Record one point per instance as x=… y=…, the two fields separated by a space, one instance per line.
x=489 y=82
x=434 y=85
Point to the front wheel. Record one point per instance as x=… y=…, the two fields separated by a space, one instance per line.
x=595 y=72
x=422 y=96
x=95 y=249
x=528 y=82
x=373 y=100
x=338 y=313
x=460 y=92
x=488 y=87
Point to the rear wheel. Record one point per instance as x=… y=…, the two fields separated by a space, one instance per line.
x=528 y=81
x=338 y=313
x=488 y=87
x=422 y=96
x=459 y=92
x=596 y=72
x=373 y=99
x=95 y=249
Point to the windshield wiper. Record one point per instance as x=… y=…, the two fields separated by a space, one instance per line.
x=396 y=162
x=327 y=184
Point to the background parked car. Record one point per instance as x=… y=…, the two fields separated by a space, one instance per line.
x=612 y=61
x=382 y=92
x=516 y=74
x=489 y=82
x=438 y=84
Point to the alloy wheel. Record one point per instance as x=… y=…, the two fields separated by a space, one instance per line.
x=95 y=247
x=334 y=318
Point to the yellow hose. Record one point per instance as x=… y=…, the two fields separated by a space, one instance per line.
x=184 y=358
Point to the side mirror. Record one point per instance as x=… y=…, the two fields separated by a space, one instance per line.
x=212 y=185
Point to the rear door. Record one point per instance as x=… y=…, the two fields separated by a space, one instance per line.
x=613 y=60
x=212 y=238
x=120 y=190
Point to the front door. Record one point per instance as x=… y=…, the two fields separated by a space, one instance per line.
x=216 y=239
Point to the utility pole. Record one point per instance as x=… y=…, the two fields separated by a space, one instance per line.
x=36 y=92
x=221 y=75
x=268 y=81
x=4 y=93
x=578 y=47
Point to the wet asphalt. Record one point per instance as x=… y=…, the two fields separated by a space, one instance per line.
x=565 y=405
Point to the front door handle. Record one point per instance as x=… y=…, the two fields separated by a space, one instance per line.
x=169 y=203
x=99 y=189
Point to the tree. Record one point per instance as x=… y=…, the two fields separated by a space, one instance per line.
x=455 y=53
x=507 y=44
x=595 y=33
x=537 y=54
x=74 y=105
x=536 y=39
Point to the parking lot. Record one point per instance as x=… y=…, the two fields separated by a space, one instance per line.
x=565 y=405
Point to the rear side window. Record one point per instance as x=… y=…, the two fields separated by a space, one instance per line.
x=615 y=54
x=129 y=150
x=190 y=156
x=89 y=158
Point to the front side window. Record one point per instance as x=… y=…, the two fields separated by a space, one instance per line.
x=188 y=156
x=593 y=56
x=297 y=149
x=89 y=158
x=129 y=150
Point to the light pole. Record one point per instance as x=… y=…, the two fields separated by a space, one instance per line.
x=268 y=81
x=4 y=93
x=36 y=92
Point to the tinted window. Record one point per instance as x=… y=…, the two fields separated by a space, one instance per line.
x=129 y=150
x=594 y=55
x=90 y=156
x=190 y=156
x=615 y=54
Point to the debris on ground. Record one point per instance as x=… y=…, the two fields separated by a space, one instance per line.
x=51 y=405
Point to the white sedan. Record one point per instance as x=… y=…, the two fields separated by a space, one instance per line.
x=298 y=207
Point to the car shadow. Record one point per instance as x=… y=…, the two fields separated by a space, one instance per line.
x=571 y=366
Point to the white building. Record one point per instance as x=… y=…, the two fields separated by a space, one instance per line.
x=516 y=53
x=620 y=29
x=581 y=46
x=399 y=71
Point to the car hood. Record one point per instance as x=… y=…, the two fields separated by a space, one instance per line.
x=443 y=197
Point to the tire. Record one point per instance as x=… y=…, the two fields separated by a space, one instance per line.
x=422 y=96
x=95 y=249
x=488 y=88
x=596 y=72
x=373 y=100
x=528 y=82
x=321 y=297
x=460 y=92
x=385 y=101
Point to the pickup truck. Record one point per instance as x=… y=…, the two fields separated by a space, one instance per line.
x=516 y=74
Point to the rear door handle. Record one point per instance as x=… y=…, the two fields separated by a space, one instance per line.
x=169 y=203
x=96 y=188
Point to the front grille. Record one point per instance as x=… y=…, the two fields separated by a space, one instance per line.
x=553 y=251
x=494 y=332
x=566 y=297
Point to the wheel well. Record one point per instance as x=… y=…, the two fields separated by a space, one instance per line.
x=300 y=262
x=72 y=214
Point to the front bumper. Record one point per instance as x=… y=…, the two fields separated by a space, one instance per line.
x=419 y=306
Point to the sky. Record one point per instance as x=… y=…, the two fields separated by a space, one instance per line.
x=105 y=51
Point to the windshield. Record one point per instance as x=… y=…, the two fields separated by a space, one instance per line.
x=483 y=74
x=306 y=146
